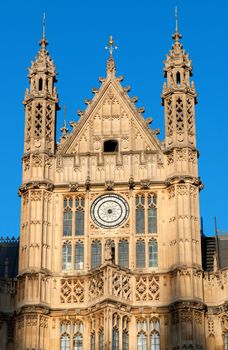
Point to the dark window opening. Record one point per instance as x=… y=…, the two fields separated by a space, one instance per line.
x=178 y=78
x=113 y=252
x=40 y=84
x=111 y=146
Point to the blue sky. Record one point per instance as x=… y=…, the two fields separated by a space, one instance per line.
x=77 y=32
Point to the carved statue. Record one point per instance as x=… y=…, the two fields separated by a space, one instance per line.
x=108 y=250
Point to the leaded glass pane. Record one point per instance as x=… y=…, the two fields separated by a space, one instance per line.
x=152 y=220
x=65 y=342
x=153 y=253
x=101 y=340
x=67 y=223
x=226 y=341
x=141 y=341
x=140 y=220
x=140 y=254
x=125 y=341
x=154 y=341
x=79 y=223
x=96 y=254
x=66 y=256
x=123 y=254
x=77 y=342
x=115 y=339
x=92 y=341
x=79 y=256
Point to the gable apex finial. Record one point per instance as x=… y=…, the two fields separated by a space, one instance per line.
x=111 y=46
x=44 y=26
x=43 y=42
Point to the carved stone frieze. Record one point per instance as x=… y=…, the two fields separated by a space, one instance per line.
x=147 y=288
x=72 y=290
x=73 y=187
x=121 y=286
x=96 y=286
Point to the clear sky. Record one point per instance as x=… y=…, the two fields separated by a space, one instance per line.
x=77 y=32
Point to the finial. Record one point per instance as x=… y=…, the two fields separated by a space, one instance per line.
x=176 y=17
x=111 y=45
x=43 y=42
x=176 y=36
x=64 y=129
x=44 y=26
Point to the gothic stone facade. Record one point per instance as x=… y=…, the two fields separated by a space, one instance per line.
x=110 y=250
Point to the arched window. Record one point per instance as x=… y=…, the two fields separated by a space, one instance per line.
x=226 y=341
x=79 y=256
x=123 y=253
x=141 y=335
x=178 y=78
x=66 y=256
x=153 y=253
x=140 y=214
x=65 y=342
x=40 y=84
x=111 y=146
x=152 y=213
x=67 y=217
x=154 y=334
x=115 y=331
x=125 y=335
x=96 y=254
x=146 y=213
x=77 y=342
x=93 y=343
x=140 y=254
x=79 y=216
x=65 y=336
x=78 y=338
x=101 y=339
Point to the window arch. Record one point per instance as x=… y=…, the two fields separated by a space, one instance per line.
x=125 y=335
x=141 y=335
x=67 y=216
x=65 y=330
x=226 y=341
x=115 y=332
x=79 y=216
x=96 y=254
x=79 y=255
x=146 y=213
x=153 y=253
x=140 y=253
x=154 y=334
x=66 y=256
x=178 y=78
x=111 y=146
x=93 y=341
x=123 y=253
x=78 y=338
x=140 y=214
x=152 y=213
x=40 y=87
x=101 y=339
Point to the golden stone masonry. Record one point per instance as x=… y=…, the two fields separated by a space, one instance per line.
x=110 y=245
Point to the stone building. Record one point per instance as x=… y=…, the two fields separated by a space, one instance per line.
x=110 y=243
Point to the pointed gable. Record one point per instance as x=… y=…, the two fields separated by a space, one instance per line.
x=111 y=115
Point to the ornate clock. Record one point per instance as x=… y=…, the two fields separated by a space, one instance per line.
x=109 y=210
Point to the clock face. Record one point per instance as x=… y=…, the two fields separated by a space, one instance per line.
x=109 y=210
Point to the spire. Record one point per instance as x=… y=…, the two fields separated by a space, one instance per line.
x=176 y=36
x=64 y=129
x=177 y=68
x=111 y=67
x=43 y=42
